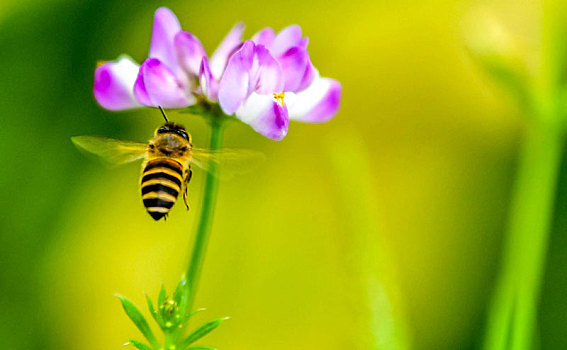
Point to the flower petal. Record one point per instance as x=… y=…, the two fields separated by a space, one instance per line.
x=156 y=86
x=222 y=54
x=250 y=69
x=287 y=38
x=264 y=37
x=264 y=115
x=266 y=75
x=166 y=26
x=316 y=104
x=297 y=69
x=190 y=52
x=208 y=83
x=233 y=87
x=114 y=82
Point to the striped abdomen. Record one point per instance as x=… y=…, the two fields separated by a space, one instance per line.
x=161 y=183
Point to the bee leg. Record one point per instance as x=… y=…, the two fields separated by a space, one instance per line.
x=188 y=175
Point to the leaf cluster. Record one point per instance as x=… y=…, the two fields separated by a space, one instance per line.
x=172 y=316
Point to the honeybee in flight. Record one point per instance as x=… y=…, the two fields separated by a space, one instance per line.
x=166 y=169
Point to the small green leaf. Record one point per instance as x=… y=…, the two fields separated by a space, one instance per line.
x=179 y=290
x=151 y=307
x=156 y=315
x=201 y=348
x=139 y=345
x=139 y=320
x=161 y=296
x=191 y=314
x=202 y=331
x=183 y=306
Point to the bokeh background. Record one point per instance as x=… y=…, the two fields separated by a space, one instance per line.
x=381 y=229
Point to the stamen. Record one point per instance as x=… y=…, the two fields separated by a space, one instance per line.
x=280 y=98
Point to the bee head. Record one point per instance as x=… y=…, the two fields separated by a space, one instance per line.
x=172 y=128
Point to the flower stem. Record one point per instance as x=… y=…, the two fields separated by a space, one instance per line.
x=513 y=313
x=170 y=338
x=207 y=208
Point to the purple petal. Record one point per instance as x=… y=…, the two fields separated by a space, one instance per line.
x=264 y=37
x=265 y=115
x=297 y=69
x=233 y=87
x=140 y=91
x=166 y=26
x=226 y=48
x=208 y=83
x=266 y=76
x=250 y=69
x=287 y=38
x=156 y=86
x=316 y=104
x=190 y=52
x=114 y=82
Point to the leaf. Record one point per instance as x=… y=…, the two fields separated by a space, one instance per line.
x=202 y=331
x=161 y=296
x=179 y=290
x=139 y=345
x=139 y=320
x=201 y=348
x=183 y=300
x=191 y=314
x=156 y=315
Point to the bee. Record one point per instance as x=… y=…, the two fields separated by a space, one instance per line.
x=166 y=170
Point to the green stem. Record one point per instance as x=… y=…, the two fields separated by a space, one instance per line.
x=207 y=208
x=512 y=317
x=533 y=223
x=170 y=338
x=513 y=312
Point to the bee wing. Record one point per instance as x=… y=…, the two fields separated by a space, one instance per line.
x=230 y=162
x=111 y=150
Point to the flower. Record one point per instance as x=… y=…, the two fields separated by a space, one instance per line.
x=264 y=82
x=246 y=89
x=271 y=79
x=309 y=97
x=114 y=82
x=169 y=77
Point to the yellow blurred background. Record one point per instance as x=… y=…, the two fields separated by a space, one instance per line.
x=380 y=229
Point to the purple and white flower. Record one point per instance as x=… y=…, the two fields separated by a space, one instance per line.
x=247 y=90
x=265 y=96
x=114 y=81
x=264 y=82
x=170 y=77
x=309 y=97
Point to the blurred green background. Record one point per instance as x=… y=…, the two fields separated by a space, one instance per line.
x=381 y=229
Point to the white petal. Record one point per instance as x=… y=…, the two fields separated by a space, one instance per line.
x=114 y=83
x=265 y=115
x=316 y=104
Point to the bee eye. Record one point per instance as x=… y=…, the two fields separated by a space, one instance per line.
x=151 y=146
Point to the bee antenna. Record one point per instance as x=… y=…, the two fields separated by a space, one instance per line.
x=163 y=113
